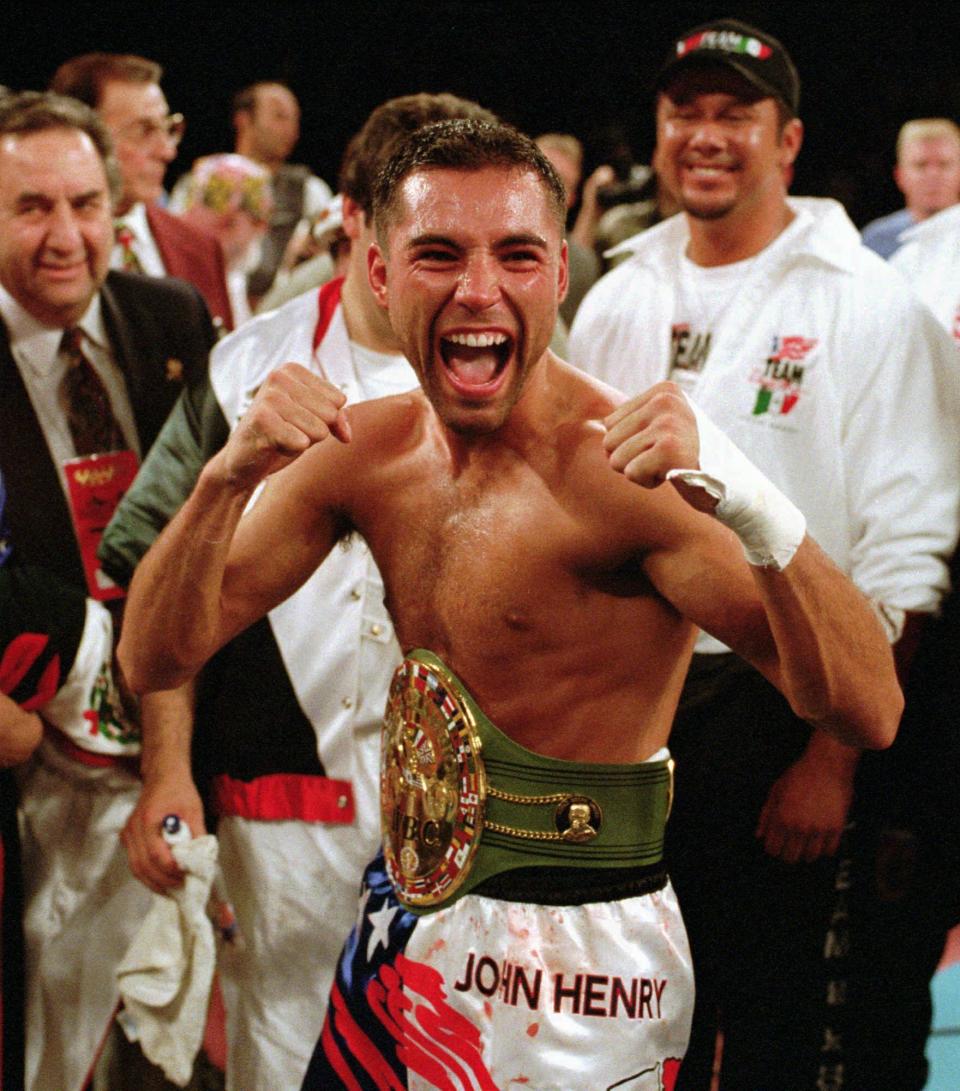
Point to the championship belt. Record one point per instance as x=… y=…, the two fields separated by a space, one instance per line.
x=451 y=779
x=432 y=785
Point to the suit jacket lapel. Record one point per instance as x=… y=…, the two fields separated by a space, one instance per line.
x=40 y=522
x=168 y=253
x=126 y=351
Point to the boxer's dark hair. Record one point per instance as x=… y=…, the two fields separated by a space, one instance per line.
x=467 y=146
x=387 y=128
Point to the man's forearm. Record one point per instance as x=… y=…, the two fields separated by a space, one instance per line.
x=168 y=788
x=828 y=752
x=835 y=663
x=172 y=618
x=167 y=731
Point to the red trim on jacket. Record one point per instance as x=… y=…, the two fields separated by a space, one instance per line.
x=279 y=796
x=327 y=302
x=91 y=758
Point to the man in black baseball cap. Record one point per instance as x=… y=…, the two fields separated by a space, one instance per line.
x=765 y=308
x=756 y=56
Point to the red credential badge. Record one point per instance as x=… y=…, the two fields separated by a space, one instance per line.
x=96 y=484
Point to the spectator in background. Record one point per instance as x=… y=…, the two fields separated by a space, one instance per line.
x=318 y=251
x=620 y=199
x=565 y=152
x=125 y=90
x=819 y=363
x=230 y=198
x=619 y=225
x=56 y=687
x=91 y=360
x=266 y=120
x=56 y=653
x=927 y=174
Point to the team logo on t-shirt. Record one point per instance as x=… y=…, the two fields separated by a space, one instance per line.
x=780 y=378
x=689 y=348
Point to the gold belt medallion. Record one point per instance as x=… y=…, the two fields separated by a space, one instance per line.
x=432 y=785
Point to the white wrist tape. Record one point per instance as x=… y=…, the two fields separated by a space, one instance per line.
x=769 y=525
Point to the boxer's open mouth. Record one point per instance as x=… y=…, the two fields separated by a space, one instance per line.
x=475 y=362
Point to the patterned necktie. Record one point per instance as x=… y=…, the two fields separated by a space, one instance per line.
x=86 y=402
x=124 y=236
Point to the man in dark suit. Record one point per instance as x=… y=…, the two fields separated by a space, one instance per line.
x=90 y=363
x=125 y=90
x=159 y=333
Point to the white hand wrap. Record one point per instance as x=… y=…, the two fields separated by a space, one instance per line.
x=769 y=525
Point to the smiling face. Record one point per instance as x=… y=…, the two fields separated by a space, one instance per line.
x=56 y=226
x=720 y=148
x=471 y=271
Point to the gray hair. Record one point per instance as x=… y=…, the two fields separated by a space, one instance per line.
x=38 y=111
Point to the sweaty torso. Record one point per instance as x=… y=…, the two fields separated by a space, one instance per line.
x=508 y=560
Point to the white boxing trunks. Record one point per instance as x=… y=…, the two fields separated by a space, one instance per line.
x=487 y=955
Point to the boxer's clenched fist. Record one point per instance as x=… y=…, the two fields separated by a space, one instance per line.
x=652 y=434
x=293 y=410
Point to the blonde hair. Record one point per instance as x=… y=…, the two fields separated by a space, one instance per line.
x=926 y=128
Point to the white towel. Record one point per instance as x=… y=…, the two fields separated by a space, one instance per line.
x=166 y=974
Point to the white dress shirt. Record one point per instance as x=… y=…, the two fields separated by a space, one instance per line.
x=143 y=244
x=42 y=366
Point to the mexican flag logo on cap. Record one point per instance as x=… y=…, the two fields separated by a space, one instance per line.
x=728 y=41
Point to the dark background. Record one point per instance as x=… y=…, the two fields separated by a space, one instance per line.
x=561 y=65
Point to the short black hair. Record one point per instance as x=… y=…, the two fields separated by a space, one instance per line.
x=467 y=146
x=386 y=129
x=245 y=100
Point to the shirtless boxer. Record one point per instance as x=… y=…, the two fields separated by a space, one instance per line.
x=502 y=507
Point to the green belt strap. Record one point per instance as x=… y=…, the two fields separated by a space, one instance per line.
x=634 y=801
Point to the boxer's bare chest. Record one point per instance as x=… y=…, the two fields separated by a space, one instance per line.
x=498 y=555
x=514 y=570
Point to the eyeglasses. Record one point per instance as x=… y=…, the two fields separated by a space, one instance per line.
x=145 y=129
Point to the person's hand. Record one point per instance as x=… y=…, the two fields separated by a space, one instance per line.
x=292 y=411
x=20 y=732
x=653 y=433
x=604 y=175
x=806 y=811
x=148 y=854
x=584 y=230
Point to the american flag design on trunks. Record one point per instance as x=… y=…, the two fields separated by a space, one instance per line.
x=388 y=1015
